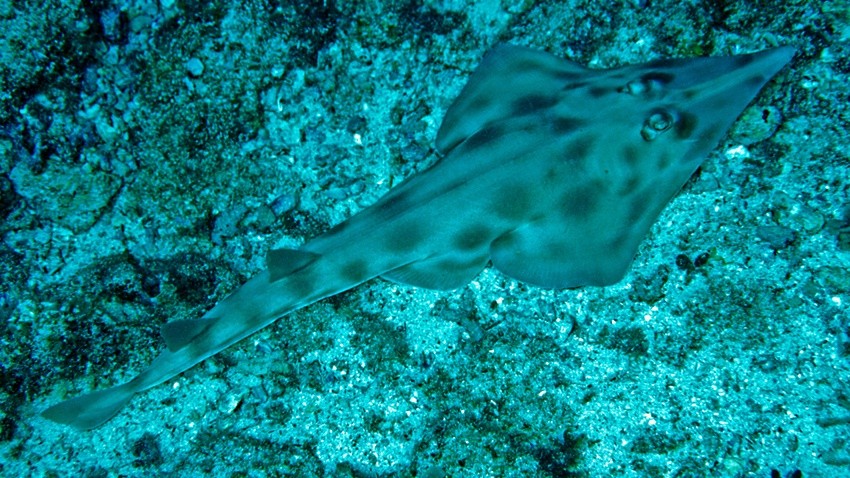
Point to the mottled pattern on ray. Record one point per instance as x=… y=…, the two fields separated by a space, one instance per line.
x=553 y=171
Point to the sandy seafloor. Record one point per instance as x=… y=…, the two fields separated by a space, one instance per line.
x=152 y=152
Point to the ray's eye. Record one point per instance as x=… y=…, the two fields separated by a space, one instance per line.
x=649 y=85
x=656 y=123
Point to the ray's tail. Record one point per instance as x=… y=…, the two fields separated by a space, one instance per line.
x=91 y=410
x=294 y=280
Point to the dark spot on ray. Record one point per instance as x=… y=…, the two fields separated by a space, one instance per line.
x=631 y=155
x=354 y=271
x=514 y=202
x=664 y=160
x=285 y=262
x=598 y=91
x=686 y=125
x=551 y=175
x=479 y=102
x=569 y=76
x=580 y=202
x=631 y=184
x=564 y=125
x=393 y=206
x=405 y=237
x=471 y=237
x=483 y=137
x=640 y=204
x=743 y=60
x=619 y=241
x=574 y=86
x=536 y=217
x=531 y=104
x=578 y=148
x=690 y=93
x=529 y=65
x=756 y=80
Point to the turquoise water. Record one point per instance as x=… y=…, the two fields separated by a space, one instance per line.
x=153 y=153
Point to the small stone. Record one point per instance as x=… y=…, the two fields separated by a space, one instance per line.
x=803 y=217
x=650 y=288
x=778 y=237
x=140 y=22
x=756 y=124
x=260 y=219
x=684 y=263
x=702 y=259
x=283 y=204
x=833 y=278
x=195 y=67
x=226 y=224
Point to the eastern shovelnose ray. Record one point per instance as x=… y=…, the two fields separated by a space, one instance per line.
x=552 y=171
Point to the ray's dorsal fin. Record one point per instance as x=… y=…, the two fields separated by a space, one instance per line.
x=509 y=79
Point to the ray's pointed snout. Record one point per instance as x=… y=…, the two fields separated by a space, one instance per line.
x=718 y=72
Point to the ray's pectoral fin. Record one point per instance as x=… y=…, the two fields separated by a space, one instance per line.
x=545 y=253
x=442 y=272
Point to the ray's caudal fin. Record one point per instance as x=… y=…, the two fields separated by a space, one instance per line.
x=552 y=171
x=89 y=411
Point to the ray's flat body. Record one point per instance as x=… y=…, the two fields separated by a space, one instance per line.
x=552 y=171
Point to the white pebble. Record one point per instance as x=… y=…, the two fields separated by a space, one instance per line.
x=195 y=67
